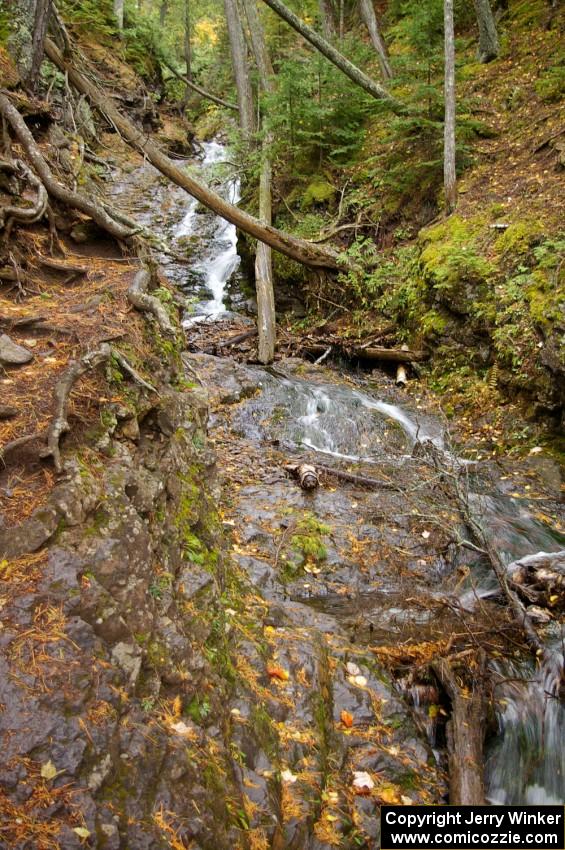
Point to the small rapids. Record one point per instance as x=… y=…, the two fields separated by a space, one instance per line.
x=526 y=759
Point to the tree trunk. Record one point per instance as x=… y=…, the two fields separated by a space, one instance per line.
x=449 y=175
x=292 y=246
x=42 y=13
x=119 y=13
x=327 y=19
x=341 y=20
x=163 y=12
x=266 y=317
x=187 y=45
x=240 y=68
x=348 y=68
x=368 y=14
x=489 y=47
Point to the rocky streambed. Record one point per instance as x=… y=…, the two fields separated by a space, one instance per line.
x=204 y=655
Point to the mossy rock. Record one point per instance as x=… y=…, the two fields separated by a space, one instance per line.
x=319 y=191
x=519 y=238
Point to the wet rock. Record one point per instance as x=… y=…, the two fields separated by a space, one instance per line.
x=12 y=354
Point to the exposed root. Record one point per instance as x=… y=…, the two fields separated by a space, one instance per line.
x=55 y=189
x=141 y=300
x=25 y=215
x=60 y=424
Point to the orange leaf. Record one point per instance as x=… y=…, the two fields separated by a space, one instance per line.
x=346 y=719
x=276 y=672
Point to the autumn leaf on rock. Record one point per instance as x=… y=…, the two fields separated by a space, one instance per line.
x=346 y=718
x=363 y=783
x=275 y=671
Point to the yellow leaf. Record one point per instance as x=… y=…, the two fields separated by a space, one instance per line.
x=48 y=770
x=82 y=832
x=177 y=706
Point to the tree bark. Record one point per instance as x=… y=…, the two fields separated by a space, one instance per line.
x=202 y=92
x=328 y=20
x=240 y=68
x=187 y=44
x=266 y=317
x=489 y=47
x=42 y=14
x=368 y=14
x=348 y=68
x=119 y=13
x=465 y=736
x=294 y=247
x=163 y=12
x=449 y=174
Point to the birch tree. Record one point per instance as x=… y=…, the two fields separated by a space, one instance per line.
x=449 y=175
x=119 y=13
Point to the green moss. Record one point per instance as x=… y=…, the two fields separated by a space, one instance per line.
x=518 y=238
x=319 y=191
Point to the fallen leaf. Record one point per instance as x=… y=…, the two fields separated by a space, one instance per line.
x=288 y=776
x=277 y=672
x=352 y=669
x=48 y=770
x=362 y=781
x=407 y=801
x=81 y=831
x=346 y=719
x=359 y=681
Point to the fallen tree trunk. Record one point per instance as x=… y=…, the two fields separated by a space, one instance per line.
x=199 y=90
x=465 y=735
x=294 y=247
x=350 y=70
x=392 y=355
x=55 y=189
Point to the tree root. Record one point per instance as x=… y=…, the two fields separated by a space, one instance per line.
x=141 y=300
x=25 y=215
x=55 y=189
x=60 y=424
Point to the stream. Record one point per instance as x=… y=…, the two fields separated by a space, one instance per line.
x=382 y=551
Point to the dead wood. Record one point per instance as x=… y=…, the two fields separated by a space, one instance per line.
x=293 y=246
x=62 y=266
x=235 y=340
x=465 y=731
x=75 y=370
x=138 y=296
x=199 y=90
x=18 y=443
x=55 y=189
x=352 y=478
x=451 y=471
x=305 y=474
x=392 y=355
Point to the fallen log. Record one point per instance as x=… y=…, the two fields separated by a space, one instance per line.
x=293 y=246
x=305 y=474
x=465 y=733
x=392 y=355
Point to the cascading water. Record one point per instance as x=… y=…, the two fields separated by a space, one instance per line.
x=222 y=261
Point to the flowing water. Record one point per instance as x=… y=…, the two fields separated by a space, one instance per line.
x=526 y=759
